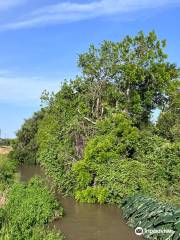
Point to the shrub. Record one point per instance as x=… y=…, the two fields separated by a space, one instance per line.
x=124 y=178
x=82 y=174
x=29 y=206
x=95 y=194
x=7 y=171
x=137 y=161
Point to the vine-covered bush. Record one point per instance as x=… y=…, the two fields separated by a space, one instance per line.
x=92 y=195
x=151 y=216
x=96 y=134
x=125 y=161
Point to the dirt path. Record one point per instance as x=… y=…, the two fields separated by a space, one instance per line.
x=5 y=149
x=2 y=201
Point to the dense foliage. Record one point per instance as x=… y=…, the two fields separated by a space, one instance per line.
x=7 y=172
x=101 y=121
x=29 y=207
x=137 y=161
x=25 y=146
x=169 y=120
x=25 y=209
x=147 y=213
x=137 y=69
x=95 y=137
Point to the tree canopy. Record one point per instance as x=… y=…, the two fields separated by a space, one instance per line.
x=95 y=138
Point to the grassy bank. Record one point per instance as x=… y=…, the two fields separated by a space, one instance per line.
x=8 y=173
x=29 y=208
x=25 y=209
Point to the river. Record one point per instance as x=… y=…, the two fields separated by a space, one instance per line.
x=86 y=221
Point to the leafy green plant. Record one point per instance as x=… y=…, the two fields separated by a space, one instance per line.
x=149 y=214
x=95 y=194
x=168 y=123
x=123 y=178
x=7 y=171
x=28 y=207
x=138 y=66
x=96 y=131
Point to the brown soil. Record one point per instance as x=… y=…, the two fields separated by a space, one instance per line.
x=2 y=201
x=5 y=149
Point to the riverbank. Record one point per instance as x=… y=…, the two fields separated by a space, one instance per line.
x=84 y=221
x=26 y=209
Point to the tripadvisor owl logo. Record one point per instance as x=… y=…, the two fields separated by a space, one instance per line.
x=139 y=231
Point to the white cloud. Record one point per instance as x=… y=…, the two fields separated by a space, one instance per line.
x=26 y=91
x=70 y=12
x=7 y=4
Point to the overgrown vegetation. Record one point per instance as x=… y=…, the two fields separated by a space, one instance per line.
x=169 y=120
x=25 y=145
x=95 y=137
x=8 y=173
x=125 y=161
x=25 y=209
x=29 y=207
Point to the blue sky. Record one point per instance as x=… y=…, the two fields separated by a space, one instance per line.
x=40 y=41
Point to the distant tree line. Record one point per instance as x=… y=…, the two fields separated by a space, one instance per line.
x=5 y=141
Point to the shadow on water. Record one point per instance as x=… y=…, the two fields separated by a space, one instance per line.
x=86 y=221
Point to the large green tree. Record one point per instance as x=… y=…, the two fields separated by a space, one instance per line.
x=25 y=145
x=94 y=123
x=168 y=124
x=137 y=67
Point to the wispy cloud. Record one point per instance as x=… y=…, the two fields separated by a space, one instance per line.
x=70 y=11
x=7 y=4
x=25 y=90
